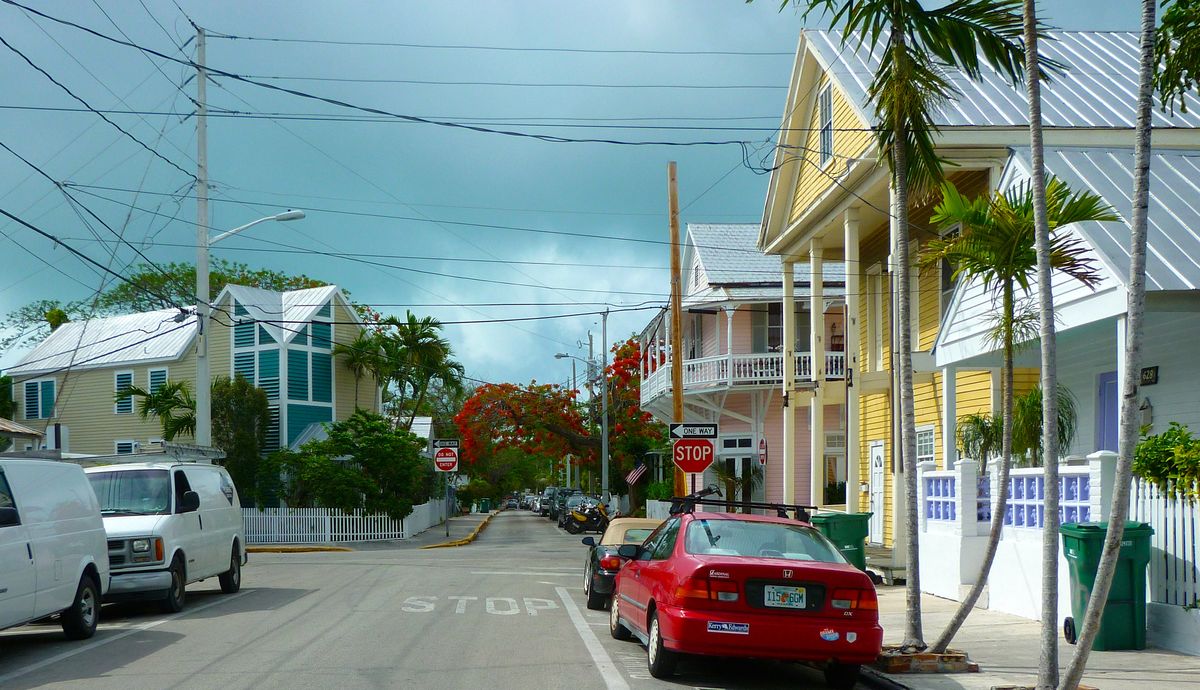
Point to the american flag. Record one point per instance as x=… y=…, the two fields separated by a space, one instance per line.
x=636 y=473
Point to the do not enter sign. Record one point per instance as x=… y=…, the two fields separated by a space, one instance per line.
x=693 y=455
x=446 y=459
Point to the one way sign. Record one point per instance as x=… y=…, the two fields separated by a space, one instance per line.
x=693 y=431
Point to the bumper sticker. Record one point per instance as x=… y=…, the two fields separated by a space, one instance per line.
x=828 y=635
x=729 y=628
x=851 y=637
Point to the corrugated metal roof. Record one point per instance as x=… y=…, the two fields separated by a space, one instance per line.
x=8 y=426
x=1099 y=88
x=146 y=337
x=730 y=256
x=1173 y=236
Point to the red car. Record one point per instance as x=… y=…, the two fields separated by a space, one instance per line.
x=725 y=584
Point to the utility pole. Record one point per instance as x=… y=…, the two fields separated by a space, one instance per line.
x=203 y=433
x=604 y=408
x=676 y=315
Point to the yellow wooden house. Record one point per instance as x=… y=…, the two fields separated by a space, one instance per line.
x=829 y=200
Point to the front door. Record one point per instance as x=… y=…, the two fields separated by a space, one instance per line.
x=1108 y=411
x=877 y=502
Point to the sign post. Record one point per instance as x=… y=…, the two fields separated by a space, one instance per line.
x=693 y=448
x=445 y=460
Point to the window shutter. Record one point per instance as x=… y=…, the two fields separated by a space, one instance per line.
x=264 y=338
x=321 y=335
x=324 y=311
x=32 y=406
x=301 y=336
x=758 y=328
x=157 y=378
x=322 y=377
x=243 y=334
x=268 y=373
x=124 y=381
x=297 y=378
x=243 y=365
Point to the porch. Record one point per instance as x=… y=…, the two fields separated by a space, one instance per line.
x=734 y=371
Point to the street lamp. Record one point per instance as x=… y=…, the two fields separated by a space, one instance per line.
x=203 y=383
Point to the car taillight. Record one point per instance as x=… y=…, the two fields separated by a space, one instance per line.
x=863 y=599
x=610 y=562
x=704 y=588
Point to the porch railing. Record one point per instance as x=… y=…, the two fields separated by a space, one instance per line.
x=738 y=370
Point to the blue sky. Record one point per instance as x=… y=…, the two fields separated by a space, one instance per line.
x=385 y=190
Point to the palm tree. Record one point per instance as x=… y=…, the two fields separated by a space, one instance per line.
x=415 y=348
x=996 y=247
x=447 y=372
x=1029 y=412
x=360 y=356
x=909 y=85
x=1135 y=314
x=172 y=403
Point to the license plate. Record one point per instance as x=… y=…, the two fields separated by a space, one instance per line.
x=781 y=597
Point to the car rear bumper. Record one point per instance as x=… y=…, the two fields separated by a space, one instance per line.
x=138 y=585
x=770 y=636
x=602 y=582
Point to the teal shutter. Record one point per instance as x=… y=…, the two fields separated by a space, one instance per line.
x=157 y=378
x=264 y=338
x=297 y=378
x=32 y=406
x=243 y=365
x=324 y=311
x=300 y=416
x=321 y=335
x=243 y=334
x=124 y=381
x=268 y=373
x=239 y=310
x=322 y=377
x=47 y=399
x=272 y=438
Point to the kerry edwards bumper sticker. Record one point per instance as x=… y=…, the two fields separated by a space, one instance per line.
x=729 y=628
x=830 y=635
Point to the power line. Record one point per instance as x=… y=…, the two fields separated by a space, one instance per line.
x=517 y=84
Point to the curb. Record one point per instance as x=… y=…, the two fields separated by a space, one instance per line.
x=879 y=681
x=283 y=548
x=465 y=540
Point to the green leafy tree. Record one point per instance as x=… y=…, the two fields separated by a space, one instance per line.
x=1177 y=53
x=171 y=403
x=241 y=414
x=34 y=321
x=172 y=284
x=996 y=246
x=362 y=356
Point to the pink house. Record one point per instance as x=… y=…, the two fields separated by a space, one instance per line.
x=734 y=364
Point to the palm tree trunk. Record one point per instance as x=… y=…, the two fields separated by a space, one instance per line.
x=357 y=379
x=989 y=554
x=1048 y=661
x=913 y=635
x=417 y=406
x=1135 y=314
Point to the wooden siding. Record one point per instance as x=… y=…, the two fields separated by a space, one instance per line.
x=812 y=181
x=343 y=380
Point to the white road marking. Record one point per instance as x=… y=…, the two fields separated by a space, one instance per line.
x=113 y=638
x=608 y=670
x=514 y=572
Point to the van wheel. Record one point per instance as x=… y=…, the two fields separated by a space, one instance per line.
x=231 y=580
x=79 y=621
x=841 y=676
x=173 y=602
x=659 y=660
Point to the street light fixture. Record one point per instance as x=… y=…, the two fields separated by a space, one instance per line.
x=203 y=376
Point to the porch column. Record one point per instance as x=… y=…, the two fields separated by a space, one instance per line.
x=853 y=283
x=1121 y=335
x=789 y=381
x=816 y=348
x=949 y=417
x=729 y=310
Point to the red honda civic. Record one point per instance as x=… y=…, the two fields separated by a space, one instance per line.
x=724 y=584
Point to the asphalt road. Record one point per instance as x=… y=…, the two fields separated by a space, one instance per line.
x=504 y=612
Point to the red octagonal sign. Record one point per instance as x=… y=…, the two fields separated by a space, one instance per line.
x=693 y=455
x=446 y=459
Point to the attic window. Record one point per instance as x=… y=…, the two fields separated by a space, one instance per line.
x=696 y=276
x=825 y=113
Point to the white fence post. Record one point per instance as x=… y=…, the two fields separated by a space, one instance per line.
x=1102 y=476
x=967 y=495
x=922 y=510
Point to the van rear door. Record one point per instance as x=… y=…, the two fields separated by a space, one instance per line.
x=18 y=581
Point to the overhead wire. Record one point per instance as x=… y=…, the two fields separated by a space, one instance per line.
x=516 y=84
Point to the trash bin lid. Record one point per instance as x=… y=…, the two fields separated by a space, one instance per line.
x=1092 y=528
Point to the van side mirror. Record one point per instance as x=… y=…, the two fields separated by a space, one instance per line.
x=189 y=502
x=629 y=551
x=9 y=517
x=589 y=541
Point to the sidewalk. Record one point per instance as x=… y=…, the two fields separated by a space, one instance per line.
x=460 y=527
x=1006 y=649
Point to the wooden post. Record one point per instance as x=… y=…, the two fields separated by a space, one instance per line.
x=676 y=345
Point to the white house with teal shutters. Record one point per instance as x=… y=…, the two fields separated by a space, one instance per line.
x=280 y=341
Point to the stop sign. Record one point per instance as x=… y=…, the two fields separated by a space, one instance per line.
x=693 y=455
x=446 y=459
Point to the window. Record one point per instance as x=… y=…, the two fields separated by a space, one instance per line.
x=925 y=444
x=181 y=487
x=759 y=539
x=157 y=378
x=126 y=447
x=736 y=442
x=766 y=326
x=39 y=399
x=6 y=497
x=132 y=492
x=32 y=406
x=664 y=547
x=697 y=340
x=947 y=280
x=695 y=277
x=123 y=381
x=825 y=113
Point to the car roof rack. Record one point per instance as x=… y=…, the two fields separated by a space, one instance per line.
x=687 y=504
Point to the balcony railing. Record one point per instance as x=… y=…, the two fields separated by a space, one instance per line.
x=730 y=371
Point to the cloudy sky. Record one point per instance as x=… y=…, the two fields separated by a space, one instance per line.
x=417 y=205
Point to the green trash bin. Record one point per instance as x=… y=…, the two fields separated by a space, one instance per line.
x=485 y=505
x=848 y=532
x=1123 y=625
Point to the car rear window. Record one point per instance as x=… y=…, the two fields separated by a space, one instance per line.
x=759 y=540
x=637 y=535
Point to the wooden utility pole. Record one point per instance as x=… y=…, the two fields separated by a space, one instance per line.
x=676 y=316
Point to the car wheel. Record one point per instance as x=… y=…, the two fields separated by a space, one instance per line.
x=173 y=602
x=660 y=660
x=79 y=621
x=615 y=627
x=231 y=580
x=595 y=600
x=841 y=676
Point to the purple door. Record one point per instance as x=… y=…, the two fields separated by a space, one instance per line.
x=1108 y=408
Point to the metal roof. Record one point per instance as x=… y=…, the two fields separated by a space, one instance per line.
x=8 y=426
x=730 y=257
x=1098 y=89
x=115 y=340
x=281 y=313
x=1173 y=236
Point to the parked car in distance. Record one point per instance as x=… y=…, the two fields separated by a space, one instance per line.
x=735 y=585
x=568 y=504
x=169 y=524
x=560 y=501
x=511 y=504
x=53 y=557
x=603 y=562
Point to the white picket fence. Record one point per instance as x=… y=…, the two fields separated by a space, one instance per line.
x=1173 y=552
x=324 y=526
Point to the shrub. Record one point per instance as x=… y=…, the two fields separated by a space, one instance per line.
x=660 y=491
x=1170 y=461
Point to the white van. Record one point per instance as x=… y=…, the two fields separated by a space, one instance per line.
x=169 y=524
x=53 y=557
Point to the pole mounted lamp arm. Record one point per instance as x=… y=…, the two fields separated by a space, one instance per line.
x=287 y=215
